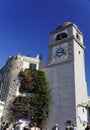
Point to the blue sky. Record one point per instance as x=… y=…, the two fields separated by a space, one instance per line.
x=25 y=26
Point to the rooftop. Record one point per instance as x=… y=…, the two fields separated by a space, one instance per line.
x=64 y=25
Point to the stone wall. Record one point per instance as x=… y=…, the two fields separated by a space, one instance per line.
x=9 y=83
x=60 y=78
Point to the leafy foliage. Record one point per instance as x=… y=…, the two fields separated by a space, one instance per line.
x=34 y=107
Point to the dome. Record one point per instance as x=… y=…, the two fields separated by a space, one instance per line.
x=64 y=25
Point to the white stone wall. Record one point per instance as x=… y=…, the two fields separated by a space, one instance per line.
x=1 y=109
x=80 y=84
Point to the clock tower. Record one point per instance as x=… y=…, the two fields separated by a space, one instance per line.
x=65 y=72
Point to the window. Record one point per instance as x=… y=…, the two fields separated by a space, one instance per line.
x=83 y=110
x=83 y=124
x=32 y=66
x=61 y=36
x=77 y=36
x=28 y=94
x=79 y=52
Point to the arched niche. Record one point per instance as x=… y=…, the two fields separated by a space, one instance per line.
x=61 y=36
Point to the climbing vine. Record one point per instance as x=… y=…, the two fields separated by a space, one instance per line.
x=34 y=107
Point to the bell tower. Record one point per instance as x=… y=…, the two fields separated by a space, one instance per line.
x=66 y=77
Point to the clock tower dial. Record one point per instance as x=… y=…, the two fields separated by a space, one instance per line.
x=60 y=52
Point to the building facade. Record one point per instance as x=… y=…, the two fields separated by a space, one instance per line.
x=65 y=72
x=9 y=80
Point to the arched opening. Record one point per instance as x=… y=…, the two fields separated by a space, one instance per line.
x=61 y=36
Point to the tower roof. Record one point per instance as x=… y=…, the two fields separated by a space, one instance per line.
x=64 y=25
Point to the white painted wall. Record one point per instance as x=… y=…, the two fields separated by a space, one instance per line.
x=26 y=62
x=80 y=84
x=79 y=32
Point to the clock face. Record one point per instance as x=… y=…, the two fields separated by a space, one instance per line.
x=60 y=52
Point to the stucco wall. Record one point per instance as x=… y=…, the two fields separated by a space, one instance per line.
x=61 y=83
